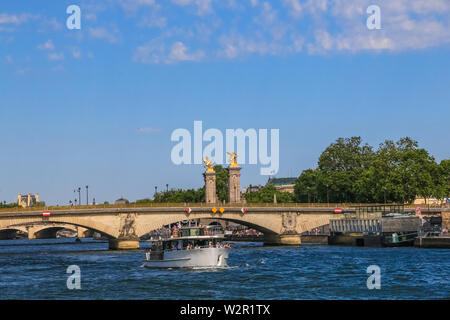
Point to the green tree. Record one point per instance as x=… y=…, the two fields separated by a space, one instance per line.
x=221 y=183
x=180 y=196
x=445 y=171
x=349 y=171
x=340 y=165
x=307 y=186
x=266 y=195
x=399 y=172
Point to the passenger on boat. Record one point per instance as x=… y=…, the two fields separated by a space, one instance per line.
x=227 y=245
x=197 y=246
x=210 y=244
x=147 y=254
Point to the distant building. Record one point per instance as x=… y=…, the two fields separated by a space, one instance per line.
x=121 y=201
x=430 y=201
x=283 y=184
x=27 y=200
x=252 y=188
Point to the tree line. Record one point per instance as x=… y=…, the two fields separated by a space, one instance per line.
x=348 y=171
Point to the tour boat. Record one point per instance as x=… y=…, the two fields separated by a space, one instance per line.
x=194 y=247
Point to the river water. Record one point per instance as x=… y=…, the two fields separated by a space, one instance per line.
x=36 y=269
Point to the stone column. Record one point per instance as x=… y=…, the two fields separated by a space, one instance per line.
x=210 y=187
x=82 y=232
x=282 y=239
x=123 y=244
x=31 y=230
x=234 y=184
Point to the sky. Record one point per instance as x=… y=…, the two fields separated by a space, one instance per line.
x=97 y=105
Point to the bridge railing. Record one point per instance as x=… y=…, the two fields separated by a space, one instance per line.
x=218 y=205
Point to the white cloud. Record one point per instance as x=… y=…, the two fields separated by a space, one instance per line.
x=14 y=19
x=203 y=6
x=133 y=5
x=108 y=34
x=56 y=56
x=156 y=52
x=294 y=7
x=179 y=52
x=48 y=45
x=76 y=53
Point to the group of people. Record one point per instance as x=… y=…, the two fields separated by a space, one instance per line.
x=190 y=246
x=220 y=245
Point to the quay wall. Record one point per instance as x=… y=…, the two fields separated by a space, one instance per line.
x=433 y=242
x=323 y=238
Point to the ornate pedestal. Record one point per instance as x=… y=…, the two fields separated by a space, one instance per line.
x=234 y=184
x=210 y=187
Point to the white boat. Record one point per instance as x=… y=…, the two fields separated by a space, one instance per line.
x=192 y=248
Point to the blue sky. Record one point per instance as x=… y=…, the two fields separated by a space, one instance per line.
x=97 y=106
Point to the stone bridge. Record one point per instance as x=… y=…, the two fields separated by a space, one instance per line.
x=43 y=230
x=124 y=226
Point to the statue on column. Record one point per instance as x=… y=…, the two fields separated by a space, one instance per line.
x=234 y=183
x=233 y=159
x=210 y=181
x=208 y=164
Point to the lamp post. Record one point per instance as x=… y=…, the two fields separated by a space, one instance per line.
x=87 y=195
x=156 y=190
x=308 y=195
x=79 y=196
x=328 y=199
x=384 y=189
x=167 y=187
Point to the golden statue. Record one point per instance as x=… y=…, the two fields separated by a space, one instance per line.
x=208 y=164
x=232 y=160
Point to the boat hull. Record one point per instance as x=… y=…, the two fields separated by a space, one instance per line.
x=195 y=258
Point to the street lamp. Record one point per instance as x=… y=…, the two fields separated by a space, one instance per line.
x=87 y=195
x=79 y=196
x=328 y=199
x=308 y=195
x=167 y=186
x=384 y=189
x=156 y=190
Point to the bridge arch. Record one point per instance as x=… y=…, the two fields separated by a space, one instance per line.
x=148 y=223
x=6 y=233
x=92 y=224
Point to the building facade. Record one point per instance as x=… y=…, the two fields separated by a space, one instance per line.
x=27 y=200
x=283 y=184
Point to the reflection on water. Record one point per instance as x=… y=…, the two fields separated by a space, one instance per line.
x=36 y=269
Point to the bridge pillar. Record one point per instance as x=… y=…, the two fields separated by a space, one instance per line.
x=282 y=240
x=82 y=232
x=31 y=232
x=124 y=244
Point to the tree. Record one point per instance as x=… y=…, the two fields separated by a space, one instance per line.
x=180 y=196
x=445 y=167
x=400 y=172
x=221 y=183
x=349 y=171
x=266 y=195
x=307 y=186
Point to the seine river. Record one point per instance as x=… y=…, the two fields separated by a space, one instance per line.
x=36 y=269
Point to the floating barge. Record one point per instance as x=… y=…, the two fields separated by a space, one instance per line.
x=375 y=226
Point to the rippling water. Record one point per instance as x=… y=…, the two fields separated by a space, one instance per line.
x=36 y=269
